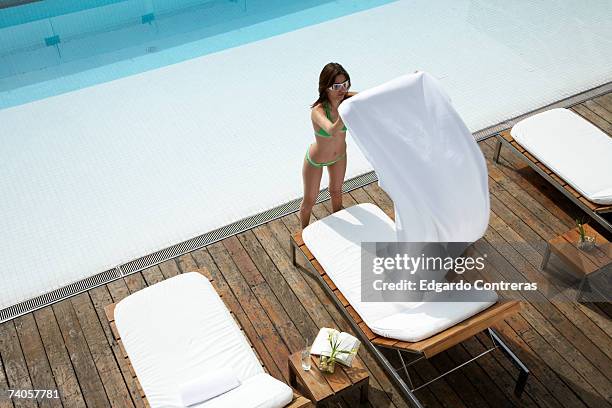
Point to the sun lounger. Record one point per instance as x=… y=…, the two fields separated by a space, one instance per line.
x=570 y=153
x=179 y=330
x=333 y=251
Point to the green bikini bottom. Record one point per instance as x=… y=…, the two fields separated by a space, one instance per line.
x=324 y=164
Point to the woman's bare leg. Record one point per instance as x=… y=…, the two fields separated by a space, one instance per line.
x=312 y=183
x=337 y=172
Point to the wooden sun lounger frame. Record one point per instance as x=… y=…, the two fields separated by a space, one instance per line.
x=593 y=209
x=423 y=349
x=298 y=401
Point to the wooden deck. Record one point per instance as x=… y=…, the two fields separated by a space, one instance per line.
x=567 y=346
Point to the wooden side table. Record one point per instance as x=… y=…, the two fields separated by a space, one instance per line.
x=587 y=263
x=322 y=387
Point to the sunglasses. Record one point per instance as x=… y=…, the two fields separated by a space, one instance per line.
x=344 y=85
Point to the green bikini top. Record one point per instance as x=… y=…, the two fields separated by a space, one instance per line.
x=322 y=132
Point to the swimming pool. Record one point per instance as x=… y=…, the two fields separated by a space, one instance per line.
x=50 y=47
x=110 y=157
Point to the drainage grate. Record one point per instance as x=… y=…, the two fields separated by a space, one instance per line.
x=59 y=294
x=211 y=237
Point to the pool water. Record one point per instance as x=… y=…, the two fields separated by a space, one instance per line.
x=51 y=47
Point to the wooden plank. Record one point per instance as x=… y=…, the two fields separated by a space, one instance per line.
x=369 y=334
x=297 y=237
x=169 y=268
x=101 y=352
x=544 y=383
x=531 y=157
x=5 y=402
x=517 y=146
x=316 y=387
x=82 y=361
x=604 y=209
x=15 y=365
x=101 y=297
x=526 y=185
x=600 y=108
x=114 y=330
x=59 y=361
x=593 y=117
x=572 y=255
x=571 y=190
x=282 y=289
x=135 y=282
x=601 y=255
x=318 y=267
x=36 y=358
x=354 y=314
x=203 y=260
x=109 y=311
x=544 y=168
x=152 y=275
x=338 y=380
x=592 y=206
x=386 y=342
x=262 y=323
x=329 y=282
x=307 y=252
x=558 y=179
x=241 y=258
x=357 y=372
x=506 y=135
x=300 y=402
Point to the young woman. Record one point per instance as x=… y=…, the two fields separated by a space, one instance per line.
x=329 y=148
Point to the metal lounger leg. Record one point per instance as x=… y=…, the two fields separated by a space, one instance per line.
x=399 y=353
x=395 y=377
x=498 y=147
x=523 y=370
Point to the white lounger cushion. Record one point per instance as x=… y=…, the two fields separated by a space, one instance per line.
x=180 y=328
x=573 y=148
x=335 y=242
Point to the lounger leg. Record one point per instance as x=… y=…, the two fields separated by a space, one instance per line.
x=546 y=257
x=498 y=147
x=399 y=353
x=363 y=393
x=523 y=370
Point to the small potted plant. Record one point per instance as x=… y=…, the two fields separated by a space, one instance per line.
x=328 y=363
x=585 y=242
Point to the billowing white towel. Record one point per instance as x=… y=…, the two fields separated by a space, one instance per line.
x=425 y=157
x=207 y=386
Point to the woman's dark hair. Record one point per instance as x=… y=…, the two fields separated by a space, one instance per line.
x=326 y=79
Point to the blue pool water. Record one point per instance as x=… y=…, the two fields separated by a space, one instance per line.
x=51 y=47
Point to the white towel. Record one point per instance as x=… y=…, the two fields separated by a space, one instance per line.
x=208 y=386
x=425 y=157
